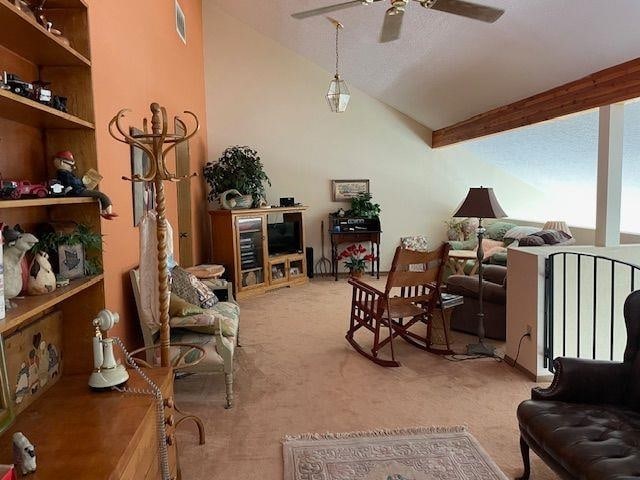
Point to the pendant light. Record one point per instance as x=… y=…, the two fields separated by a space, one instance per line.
x=338 y=94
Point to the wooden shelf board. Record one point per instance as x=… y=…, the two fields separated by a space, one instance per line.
x=44 y=202
x=28 y=307
x=23 y=110
x=67 y=4
x=25 y=37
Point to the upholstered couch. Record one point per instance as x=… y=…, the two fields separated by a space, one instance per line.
x=465 y=316
x=216 y=330
x=586 y=425
x=495 y=245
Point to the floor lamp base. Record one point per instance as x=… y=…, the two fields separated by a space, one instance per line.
x=481 y=349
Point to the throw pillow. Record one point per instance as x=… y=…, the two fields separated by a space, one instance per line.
x=179 y=307
x=489 y=247
x=497 y=230
x=553 y=237
x=531 y=241
x=516 y=233
x=189 y=288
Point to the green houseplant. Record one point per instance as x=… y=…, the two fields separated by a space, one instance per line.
x=362 y=206
x=82 y=235
x=239 y=168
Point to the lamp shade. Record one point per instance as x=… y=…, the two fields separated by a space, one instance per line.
x=480 y=203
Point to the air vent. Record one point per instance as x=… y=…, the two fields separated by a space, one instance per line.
x=181 y=23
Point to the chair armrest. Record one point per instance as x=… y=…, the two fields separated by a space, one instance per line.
x=359 y=284
x=579 y=380
x=494 y=273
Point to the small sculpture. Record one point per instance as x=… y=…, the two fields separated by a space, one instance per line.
x=66 y=165
x=41 y=277
x=24 y=454
x=19 y=244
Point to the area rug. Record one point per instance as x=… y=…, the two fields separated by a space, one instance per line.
x=433 y=453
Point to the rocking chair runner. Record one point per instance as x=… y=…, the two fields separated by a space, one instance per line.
x=411 y=294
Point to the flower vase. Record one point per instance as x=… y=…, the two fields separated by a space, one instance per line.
x=356 y=273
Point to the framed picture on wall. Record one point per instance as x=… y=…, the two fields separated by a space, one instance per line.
x=143 y=192
x=345 y=190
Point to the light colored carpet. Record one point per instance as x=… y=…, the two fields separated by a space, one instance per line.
x=432 y=453
x=296 y=373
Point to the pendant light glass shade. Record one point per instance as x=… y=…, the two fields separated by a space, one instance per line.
x=338 y=95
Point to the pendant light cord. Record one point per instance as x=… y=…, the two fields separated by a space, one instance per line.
x=337 y=50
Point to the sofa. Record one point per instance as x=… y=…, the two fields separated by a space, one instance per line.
x=586 y=425
x=465 y=317
x=494 y=246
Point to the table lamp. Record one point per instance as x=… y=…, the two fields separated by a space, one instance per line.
x=558 y=225
x=480 y=203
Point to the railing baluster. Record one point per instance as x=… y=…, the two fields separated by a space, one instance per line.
x=564 y=304
x=595 y=302
x=578 y=298
x=612 y=311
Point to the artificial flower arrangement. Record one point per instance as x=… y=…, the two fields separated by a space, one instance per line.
x=356 y=258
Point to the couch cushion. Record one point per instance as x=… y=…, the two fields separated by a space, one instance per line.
x=212 y=360
x=591 y=442
x=225 y=315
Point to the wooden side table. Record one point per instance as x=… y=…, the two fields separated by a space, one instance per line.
x=458 y=261
x=439 y=331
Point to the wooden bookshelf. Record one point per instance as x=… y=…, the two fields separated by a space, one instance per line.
x=29 y=307
x=45 y=202
x=29 y=112
x=24 y=36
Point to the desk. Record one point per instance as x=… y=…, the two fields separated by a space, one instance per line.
x=372 y=237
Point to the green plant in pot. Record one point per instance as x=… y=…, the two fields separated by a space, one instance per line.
x=362 y=206
x=237 y=179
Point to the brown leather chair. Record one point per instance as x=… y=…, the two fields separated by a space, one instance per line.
x=494 y=300
x=586 y=425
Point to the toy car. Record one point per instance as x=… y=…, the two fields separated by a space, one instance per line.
x=25 y=188
x=6 y=187
x=35 y=91
x=15 y=84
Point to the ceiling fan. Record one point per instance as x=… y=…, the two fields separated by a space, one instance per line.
x=393 y=18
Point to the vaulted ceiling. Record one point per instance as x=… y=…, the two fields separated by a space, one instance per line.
x=446 y=68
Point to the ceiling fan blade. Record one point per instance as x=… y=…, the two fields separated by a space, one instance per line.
x=468 y=9
x=330 y=8
x=391 y=26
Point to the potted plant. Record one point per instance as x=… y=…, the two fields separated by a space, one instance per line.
x=356 y=258
x=237 y=179
x=362 y=206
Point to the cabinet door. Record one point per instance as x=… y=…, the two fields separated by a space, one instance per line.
x=251 y=251
x=296 y=267
x=278 y=271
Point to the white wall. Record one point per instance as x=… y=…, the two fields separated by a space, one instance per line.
x=266 y=96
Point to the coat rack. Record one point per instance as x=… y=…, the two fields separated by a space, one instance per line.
x=157 y=144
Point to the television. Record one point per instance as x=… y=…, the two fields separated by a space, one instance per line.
x=283 y=238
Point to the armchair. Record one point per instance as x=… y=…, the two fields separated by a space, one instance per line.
x=215 y=331
x=586 y=425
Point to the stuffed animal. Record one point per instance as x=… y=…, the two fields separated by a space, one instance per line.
x=24 y=454
x=75 y=187
x=12 y=256
x=41 y=277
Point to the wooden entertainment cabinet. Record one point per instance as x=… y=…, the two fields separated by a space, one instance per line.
x=240 y=240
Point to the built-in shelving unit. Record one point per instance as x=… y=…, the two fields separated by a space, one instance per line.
x=29 y=307
x=31 y=134
x=28 y=112
x=24 y=36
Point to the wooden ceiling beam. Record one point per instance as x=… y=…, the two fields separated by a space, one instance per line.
x=612 y=85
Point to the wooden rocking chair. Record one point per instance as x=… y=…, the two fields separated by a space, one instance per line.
x=411 y=294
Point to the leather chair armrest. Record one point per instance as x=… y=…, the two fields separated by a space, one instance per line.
x=468 y=286
x=494 y=273
x=579 y=380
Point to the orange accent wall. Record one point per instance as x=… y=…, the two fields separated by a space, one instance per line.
x=137 y=59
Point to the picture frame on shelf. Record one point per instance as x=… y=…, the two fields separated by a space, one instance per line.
x=345 y=190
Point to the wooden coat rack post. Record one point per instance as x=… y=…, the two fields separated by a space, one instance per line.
x=157 y=144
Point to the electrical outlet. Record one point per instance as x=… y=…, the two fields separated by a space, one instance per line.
x=529 y=329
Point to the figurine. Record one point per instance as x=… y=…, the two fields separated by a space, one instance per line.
x=41 y=277
x=18 y=244
x=38 y=11
x=24 y=454
x=65 y=165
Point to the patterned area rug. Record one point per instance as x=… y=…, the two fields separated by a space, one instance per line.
x=435 y=453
